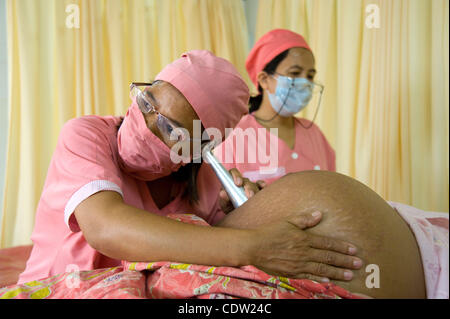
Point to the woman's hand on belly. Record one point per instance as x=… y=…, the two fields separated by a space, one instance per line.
x=284 y=249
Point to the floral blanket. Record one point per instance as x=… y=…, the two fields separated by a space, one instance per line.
x=165 y=279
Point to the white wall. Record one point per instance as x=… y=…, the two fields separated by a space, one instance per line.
x=3 y=99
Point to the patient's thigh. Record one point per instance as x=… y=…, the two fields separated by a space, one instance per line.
x=351 y=212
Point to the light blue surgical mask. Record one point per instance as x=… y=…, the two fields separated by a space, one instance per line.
x=291 y=95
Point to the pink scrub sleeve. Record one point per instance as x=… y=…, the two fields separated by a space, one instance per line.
x=82 y=164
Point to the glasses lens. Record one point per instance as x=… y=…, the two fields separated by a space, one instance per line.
x=170 y=131
x=317 y=88
x=144 y=105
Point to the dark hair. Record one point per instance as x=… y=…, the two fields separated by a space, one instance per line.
x=255 y=101
x=188 y=174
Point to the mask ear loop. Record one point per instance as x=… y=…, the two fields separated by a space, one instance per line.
x=282 y=106
x=317 y=112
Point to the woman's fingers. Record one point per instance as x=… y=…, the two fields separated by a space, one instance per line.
x=296 y=253
x=249 y=187
x=237 y=177
x=261 y=184
x=305 y=220
x=335 y=259
x=327 y=243
x=327 y=271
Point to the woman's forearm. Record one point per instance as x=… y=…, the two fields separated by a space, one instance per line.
x=280 y=248
x=142 y=236
x=128 y=233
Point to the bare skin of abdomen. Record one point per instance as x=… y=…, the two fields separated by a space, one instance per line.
x=351 y=212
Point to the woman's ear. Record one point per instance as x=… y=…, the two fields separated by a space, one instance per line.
x=263 y=80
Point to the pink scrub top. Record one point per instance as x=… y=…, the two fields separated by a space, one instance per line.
x=266 y=157
x=86 y=161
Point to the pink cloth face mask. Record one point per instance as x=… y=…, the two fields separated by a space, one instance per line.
x=143 y=155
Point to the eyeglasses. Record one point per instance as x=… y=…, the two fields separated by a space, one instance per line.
x=170 y=131
x=315 y=87
x=316 y=91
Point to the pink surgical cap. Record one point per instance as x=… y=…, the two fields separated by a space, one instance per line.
x=212 y=86
x=268 y=47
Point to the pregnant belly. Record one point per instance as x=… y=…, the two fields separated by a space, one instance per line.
x=351 y=212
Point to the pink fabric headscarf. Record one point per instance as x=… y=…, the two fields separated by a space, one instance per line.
x=212 y=86
x=268 y=47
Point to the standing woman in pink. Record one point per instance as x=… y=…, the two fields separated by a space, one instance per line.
x=282 y=67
